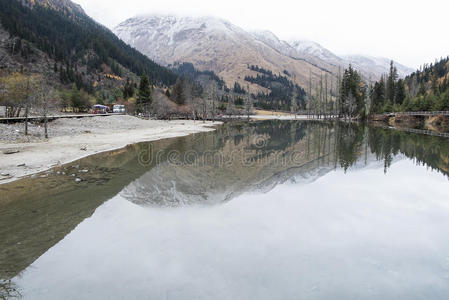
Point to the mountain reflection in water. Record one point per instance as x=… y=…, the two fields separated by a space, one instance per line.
x=203 y=169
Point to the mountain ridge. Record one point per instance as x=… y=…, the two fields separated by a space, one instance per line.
x=227 y=49
x=210 y=44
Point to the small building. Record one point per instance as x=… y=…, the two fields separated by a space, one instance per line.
x=119 y=108
x=100 y=109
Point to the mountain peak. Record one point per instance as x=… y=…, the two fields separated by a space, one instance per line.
x=265 y=34
x=315 y=49
x=172 y=23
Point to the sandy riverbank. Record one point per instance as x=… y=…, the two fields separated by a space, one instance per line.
x=77 y=138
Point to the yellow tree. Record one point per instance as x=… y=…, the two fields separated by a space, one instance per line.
x=14 y=88
x=18 y=93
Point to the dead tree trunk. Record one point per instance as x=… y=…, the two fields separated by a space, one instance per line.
x=26 y=120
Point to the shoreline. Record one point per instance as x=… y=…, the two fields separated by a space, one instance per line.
x=40 y=156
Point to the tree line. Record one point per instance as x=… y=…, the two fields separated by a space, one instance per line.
x=426 y=89
x=353 y=97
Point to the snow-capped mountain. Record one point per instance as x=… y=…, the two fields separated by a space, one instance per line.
x=271 y=40
x=376 y=65
x=217 y=45
x=315 y=50
x=371 y=67
x=210 y=44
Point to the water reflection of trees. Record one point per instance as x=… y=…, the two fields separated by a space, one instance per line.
x=255 y=154
x=349 y=141
x=427 y=150
x=267 y=149
x=36 y=213
x=355 y=142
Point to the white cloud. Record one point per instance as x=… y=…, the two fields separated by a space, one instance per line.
x=411 y=32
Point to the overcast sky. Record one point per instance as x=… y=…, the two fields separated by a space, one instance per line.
x=411 y=32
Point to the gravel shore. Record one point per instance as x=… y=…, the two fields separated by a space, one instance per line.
x=62 y=127
x=72 y=139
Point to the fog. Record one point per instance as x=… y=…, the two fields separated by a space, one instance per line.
x=410 y=32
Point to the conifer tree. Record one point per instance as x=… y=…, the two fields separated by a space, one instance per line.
x=128 y=90
x=378 y=98
x=144 y=99
x=391 y=83
x=177 y=92
x=400 y=94
x=353 y=91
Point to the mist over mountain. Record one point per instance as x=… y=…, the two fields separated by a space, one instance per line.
x=220 y=46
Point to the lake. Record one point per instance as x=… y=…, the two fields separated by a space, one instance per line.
x=260 y=210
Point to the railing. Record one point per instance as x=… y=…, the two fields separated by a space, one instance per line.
x=54 y=117
x=419 y=131
x=418 y=113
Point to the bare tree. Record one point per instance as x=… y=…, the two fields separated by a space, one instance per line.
x=325 y=96
x=309 y=96
x=46 y=101
x=209 y=100
x=294 y=103
x=331 y=100
x=28 y=99
x=413 y=87
x=248 y=103
x=213 y=99
x=338 y=106
x=3 y=97
x=162 y=106
x=204 y=100
x=321 y=98
x=230 y=108
x=187 y=93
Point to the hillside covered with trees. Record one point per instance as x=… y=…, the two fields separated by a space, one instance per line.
x=281 y=90
x=426 y=89
x=80 y=47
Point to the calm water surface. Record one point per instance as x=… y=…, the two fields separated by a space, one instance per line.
x=267 y=210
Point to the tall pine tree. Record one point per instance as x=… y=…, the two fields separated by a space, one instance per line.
x=391 y=83
x=144 y=100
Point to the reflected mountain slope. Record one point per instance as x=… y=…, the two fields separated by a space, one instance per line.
x=202 y=169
